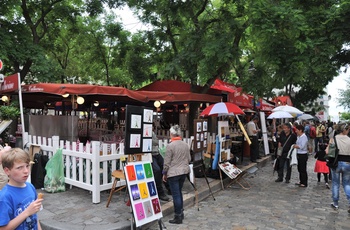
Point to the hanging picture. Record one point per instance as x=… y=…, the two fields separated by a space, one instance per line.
x=205 y=126
x=142 y=192
x=147 y=145
x=147 y=130
x=135 y=141
x=135 y=192
x=148 y=208
x=151 y=188
x=147 y=115
x=199 y=126
x=139 y=172
x=148 y=170
x=139 y=211
x=135 y=121
x=131 y=172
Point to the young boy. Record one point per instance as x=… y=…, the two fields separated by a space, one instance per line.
x=18 y=199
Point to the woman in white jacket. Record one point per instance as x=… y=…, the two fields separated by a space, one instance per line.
x=301 y=146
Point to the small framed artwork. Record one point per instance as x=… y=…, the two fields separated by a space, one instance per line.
x=135 y=121
x=148 y=208
x=147 y=130
x=140 y=174
x=205 y=143
x=199 y=126
x=147 y=115
x=135 y=192
x=135 y=141
x=198 y=136
x=205 y=126
x=139 y=211
x=146 y=145
x=198 y=145
x=202 y=136
x=205 y=135
x=143 y=190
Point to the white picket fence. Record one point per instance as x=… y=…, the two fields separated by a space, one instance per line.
x=88 y=167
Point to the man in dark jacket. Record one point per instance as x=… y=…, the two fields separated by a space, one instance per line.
x=287 y=139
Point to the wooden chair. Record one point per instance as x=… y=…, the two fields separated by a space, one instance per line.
x=117 y=175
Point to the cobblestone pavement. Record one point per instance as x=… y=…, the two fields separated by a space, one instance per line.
x=268 y=205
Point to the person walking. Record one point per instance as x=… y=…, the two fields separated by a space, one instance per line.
x=321 y=164
x=320 y=130
x=286 y=140
x=343 y=168
x=176 y=167
x=302 y=156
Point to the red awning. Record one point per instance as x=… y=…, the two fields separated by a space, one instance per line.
x=235 y=94
x=180 y=97
x=283 y=100
x=263 y=105
x=177 y=91
x=37 y=95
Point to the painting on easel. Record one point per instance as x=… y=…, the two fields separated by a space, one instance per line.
x=143 y=192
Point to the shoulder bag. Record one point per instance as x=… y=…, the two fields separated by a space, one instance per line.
x=332 y=156
x=280 y=149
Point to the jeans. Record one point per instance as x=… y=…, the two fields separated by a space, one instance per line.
x=175 y=184
x=302 y=164
x=343 y=169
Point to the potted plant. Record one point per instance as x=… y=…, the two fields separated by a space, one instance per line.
x=9 y=112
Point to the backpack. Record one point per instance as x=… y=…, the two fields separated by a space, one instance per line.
x=312 y=132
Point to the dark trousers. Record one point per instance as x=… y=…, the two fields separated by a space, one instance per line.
x=284 y=162
x=157 y=167
x=302 y=164
x=325 y=175
x=254 y=148
x=318 y=140
x=176 y=184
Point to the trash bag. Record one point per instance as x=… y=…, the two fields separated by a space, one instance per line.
x=54 y=179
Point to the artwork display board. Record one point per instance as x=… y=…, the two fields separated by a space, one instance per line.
x=143 y=192
x=138 y=129
x=224 y=137
x=230 y=170
x=200 y=135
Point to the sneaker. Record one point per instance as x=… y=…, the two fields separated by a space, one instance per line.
x=279 y=180
x=335 y=207
x=327 y=185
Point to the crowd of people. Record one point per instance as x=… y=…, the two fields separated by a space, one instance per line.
x=312 y=139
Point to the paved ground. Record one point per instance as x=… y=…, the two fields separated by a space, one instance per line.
x=267 y=205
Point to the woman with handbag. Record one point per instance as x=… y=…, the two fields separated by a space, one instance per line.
x=286 y=140
x=341 y=143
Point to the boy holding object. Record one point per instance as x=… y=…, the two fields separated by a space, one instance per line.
x=19 y=203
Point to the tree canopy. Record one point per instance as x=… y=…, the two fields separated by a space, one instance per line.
x=260 y=45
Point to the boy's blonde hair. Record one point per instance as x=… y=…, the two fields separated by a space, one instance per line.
x=14 y=155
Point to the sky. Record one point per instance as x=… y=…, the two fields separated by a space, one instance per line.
x=333 y=88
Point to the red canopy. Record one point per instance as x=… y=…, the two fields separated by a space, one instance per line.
x=235 y=94
x=177 y=91
x=36 y=95
x=263 y=105
x=283 y=100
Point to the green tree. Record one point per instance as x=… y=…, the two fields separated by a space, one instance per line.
x=344 y=96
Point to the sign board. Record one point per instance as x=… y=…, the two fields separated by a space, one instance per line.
x=143 y=193
x=10 y=84
x=138 y=129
